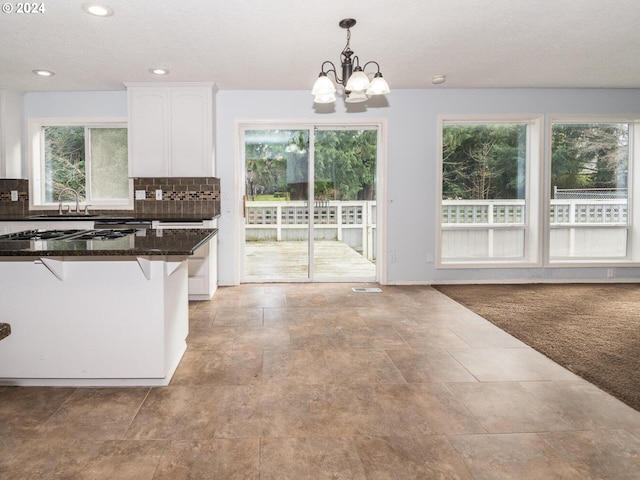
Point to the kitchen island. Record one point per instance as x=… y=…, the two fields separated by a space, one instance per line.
x=92 y=311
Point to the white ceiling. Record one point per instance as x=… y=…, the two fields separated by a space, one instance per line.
x=280 y=44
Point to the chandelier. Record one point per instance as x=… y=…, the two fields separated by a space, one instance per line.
x=357 y=86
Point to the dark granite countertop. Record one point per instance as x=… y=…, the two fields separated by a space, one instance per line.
x=5 y=330
x=128 y=216
x=144 y=242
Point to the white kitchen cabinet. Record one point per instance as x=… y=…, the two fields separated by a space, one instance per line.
x=10 y=134
x=203 y=264
x=203 y=271
x=171 y=129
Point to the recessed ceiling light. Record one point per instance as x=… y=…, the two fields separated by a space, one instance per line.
x=159 y=71
x=44 y=73
x=97 y=9
x=438 y=79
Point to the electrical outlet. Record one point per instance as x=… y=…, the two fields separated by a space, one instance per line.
x=609 y=272
x=392 y=257
x=158 y=194
x=429 y=257
x=141 y=194
x=14 y=195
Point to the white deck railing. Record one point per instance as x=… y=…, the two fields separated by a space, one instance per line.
x=496 y=228
x=354 y=222
x=562 y=212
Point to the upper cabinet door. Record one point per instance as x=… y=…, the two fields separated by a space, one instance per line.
x=148 y=132
x=10 y=134
x=191 y=132
x=171 y=130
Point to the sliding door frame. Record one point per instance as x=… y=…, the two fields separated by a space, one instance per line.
x=381 y=184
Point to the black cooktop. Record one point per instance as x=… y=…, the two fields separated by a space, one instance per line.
x=104 y=234
x=39 y=235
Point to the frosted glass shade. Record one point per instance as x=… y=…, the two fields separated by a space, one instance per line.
x=356 y=97
x=379 y=86
x=323 y=86
x=325 y=98
x=358 y=82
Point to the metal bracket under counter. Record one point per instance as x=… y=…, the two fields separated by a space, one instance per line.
x=56 y=265
x=172 y=263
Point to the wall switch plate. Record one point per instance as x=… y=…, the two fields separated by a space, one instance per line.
x=158 y=194
x=141 y=194
x=14 y=195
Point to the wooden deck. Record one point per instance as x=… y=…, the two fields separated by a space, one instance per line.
x=288 y=260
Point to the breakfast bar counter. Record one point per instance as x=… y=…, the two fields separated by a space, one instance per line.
x=80 y=243
x=95 y=312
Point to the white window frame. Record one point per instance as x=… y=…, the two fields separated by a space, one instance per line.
x=633 y=182
x=36 y=159
x=533 y=170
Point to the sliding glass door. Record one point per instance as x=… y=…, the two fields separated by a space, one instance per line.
x=310 y=204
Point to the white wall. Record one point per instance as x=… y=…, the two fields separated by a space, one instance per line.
x=69 y=105
x=411 y=153
x=411 y=168
x=75 y=104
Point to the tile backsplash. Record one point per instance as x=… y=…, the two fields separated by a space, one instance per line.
x=181 y=196
x=14 y=207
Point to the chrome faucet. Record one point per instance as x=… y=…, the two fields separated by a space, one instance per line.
x=60 y=199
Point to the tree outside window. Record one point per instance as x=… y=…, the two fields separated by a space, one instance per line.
x=90 y=160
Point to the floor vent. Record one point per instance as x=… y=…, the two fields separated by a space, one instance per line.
x=366 y=290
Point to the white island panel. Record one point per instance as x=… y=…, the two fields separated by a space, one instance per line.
x=96 y=321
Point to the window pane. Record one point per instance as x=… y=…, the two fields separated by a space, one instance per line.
x=64 y=163
x=589 y=195
x=277 y=208
x=483 y=191
x=345 y=202
x=109 y=167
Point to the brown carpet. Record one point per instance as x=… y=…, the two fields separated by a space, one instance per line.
x=592 y=330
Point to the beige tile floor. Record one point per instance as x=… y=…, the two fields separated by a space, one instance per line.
x=314 y=381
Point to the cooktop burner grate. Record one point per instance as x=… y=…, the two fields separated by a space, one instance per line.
x=105 y=234
x=39 y=234
x=108 y=234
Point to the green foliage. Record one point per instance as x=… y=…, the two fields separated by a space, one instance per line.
x=64 y=162
x=345 y=164
x=483 y=161
x=109 y=163
x=66 y=166
x=488 y=161
x=272 y=157
x=589 y=155
x=277 y=164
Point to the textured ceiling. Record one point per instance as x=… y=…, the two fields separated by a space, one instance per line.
x=280 y=44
